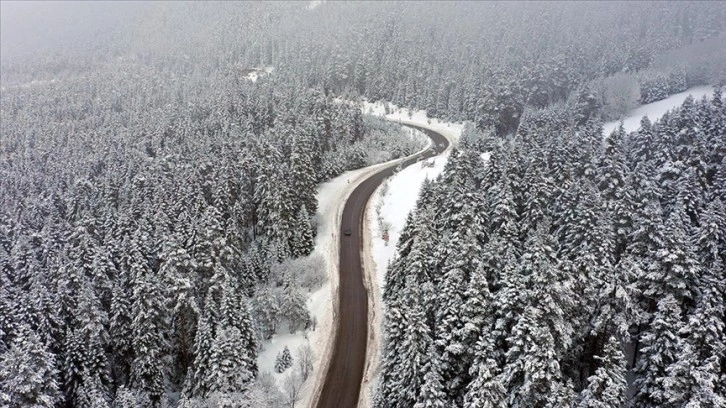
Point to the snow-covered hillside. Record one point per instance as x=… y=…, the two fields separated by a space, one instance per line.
x=631 y=120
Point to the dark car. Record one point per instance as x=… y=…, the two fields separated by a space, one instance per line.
x=347 y=231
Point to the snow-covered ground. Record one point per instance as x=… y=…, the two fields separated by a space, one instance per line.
x=631 y=120
x=390 y=205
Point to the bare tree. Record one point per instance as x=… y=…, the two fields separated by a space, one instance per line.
x=305 y=360
x=292 y=387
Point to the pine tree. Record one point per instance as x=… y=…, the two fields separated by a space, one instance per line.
x=302 y=173
x=691 y=381
x=675 y=268
x=485 y=390
x=229 y=361
x=86 y=363
x=406 y=349
x=693 y=376
x=433 y=392
x=293 y=306
x=414 y=255
x=234 y=313
x=302 y=241
x=149 y=343
x=606 y=387
x=476 y=311
x=532 y=371
x=451 y=349
x=120 y=322
x=196 y=379
x=28 y=374
x=283 y=361
x=659 y=349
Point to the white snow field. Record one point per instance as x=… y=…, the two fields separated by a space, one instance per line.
x=631 y=120
x=332 y=196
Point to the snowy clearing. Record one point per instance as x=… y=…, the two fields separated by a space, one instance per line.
x=631 y=120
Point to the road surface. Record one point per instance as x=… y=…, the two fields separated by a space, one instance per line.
x=343 y=379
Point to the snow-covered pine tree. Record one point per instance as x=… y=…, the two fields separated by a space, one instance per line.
x=234 y=313
x=302 y=173
x=406 y=349
x=283 y=361
x=119 y=331
x=28 y=373
x=229 y=361
x=659 y=347
x=149 y=341
x=606 y=387
x=433 y=393
x=195 y=384
x=87 y=379
x=293 y=306
x=302 y=240
x=485 y=390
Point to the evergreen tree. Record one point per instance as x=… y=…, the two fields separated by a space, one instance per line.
x=149 y=343
x=433 y=392
x=301 y=241
x=485 y=390
x=532 y=372
x=607 y=386
x=404 y=374
x=86 y=363
x=196 y=380
x=293 y=307
x=660 y=344
x=28 y=374
x=283 y=361
x=302 y=173
x=235 y=314
x=230 y=363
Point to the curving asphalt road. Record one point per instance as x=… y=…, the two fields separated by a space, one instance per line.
x=343 y=379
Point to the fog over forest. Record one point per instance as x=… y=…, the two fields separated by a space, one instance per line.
x=173 y=177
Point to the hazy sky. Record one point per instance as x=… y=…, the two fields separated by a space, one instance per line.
x=31 y=27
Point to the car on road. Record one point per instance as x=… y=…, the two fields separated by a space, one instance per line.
x=347 y=231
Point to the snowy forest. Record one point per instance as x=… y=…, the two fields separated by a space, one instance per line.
x=159 y=164
x=136 y=224
x=566 y=271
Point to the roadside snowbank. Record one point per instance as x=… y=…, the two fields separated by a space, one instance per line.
x=631 y=121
